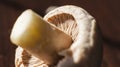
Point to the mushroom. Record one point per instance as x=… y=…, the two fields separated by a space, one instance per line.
x=85 y=49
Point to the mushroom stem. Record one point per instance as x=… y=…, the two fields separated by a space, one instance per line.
x=39 y=37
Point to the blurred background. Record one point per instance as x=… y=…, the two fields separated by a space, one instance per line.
x=106 y=12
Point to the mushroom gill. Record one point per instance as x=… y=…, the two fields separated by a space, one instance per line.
x=66 y=23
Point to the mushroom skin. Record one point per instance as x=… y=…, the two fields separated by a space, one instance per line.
x=86 y=49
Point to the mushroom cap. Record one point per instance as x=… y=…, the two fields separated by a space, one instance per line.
x=82 y=27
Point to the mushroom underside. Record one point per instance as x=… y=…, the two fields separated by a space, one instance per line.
x=69 y=24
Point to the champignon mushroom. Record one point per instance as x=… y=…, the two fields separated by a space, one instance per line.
x=86 y=49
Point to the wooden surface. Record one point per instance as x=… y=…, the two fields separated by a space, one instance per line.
x=106 y=12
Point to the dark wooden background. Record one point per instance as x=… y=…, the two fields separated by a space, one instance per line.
x=106 y=12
